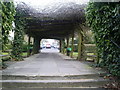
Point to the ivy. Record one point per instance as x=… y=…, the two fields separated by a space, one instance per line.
x=104 y=20
x=18 y=37
x=9 y=15
x=7 y=12
x=0 y=29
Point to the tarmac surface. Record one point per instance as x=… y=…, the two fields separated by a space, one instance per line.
x=49 y=62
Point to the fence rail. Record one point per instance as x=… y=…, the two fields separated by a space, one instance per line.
x=90 y=50
x=3 y=55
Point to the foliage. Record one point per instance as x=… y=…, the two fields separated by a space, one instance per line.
x=0 y=29
x=7 y=11
x=24 y=54
x=89 y=39
x=75 y=48
x=25 y=48
x=104 y=20
x=18 y=38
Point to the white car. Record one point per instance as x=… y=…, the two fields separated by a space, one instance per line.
x=48 y=46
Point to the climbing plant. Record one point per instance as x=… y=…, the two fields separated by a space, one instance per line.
x=18 y=36
x=104 y=20
x=0 y=28
x=7 y=12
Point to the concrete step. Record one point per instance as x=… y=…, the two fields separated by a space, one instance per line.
x=66 y=77
x=53 y=83
x=66 y=88
x=68 y=81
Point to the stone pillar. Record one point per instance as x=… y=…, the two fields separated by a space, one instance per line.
x=36 y=46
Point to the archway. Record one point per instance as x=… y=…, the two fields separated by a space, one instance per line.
x=58 y=25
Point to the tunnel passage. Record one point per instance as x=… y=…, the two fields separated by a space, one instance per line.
x=57 y=22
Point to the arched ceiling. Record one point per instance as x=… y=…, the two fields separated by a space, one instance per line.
x=57 y=21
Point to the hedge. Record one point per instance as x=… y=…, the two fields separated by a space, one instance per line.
x=104 y=20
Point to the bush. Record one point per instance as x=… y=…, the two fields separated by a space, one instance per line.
x=25 y=48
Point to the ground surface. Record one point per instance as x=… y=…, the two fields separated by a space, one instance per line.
x=51 y=69
x=49 y=63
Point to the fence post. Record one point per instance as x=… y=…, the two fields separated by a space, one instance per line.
x=28 y=53
x=60 y=45
x=79 y=45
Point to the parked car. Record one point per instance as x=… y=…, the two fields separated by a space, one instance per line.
x=48 y=46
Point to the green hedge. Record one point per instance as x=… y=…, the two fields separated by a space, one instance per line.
x=104 y=20
x=25 y=48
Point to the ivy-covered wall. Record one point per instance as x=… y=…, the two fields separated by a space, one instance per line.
x=104 y=20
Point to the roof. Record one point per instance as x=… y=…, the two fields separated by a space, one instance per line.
x=57 y=21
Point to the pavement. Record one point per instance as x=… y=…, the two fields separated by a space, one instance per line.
x=49 y=62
